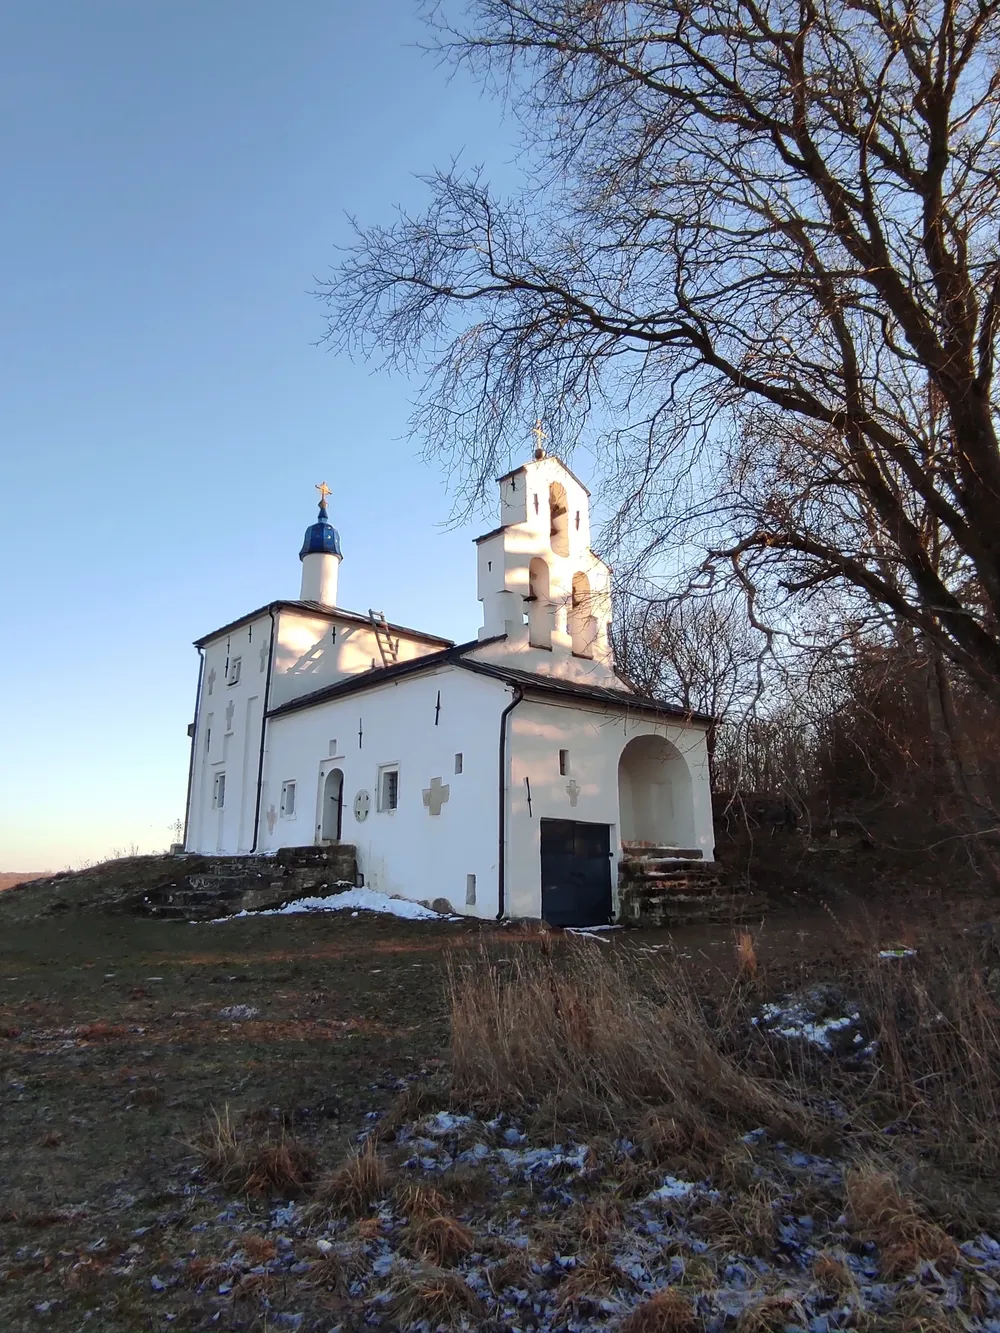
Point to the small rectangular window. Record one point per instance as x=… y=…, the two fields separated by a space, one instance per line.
x=288 y=800
x=219 y=792
x=208 y=735
x=234 y=670
x=388 y=788
x=470 y=890
x=563 y=762
x=333 y=749
x=458 y=763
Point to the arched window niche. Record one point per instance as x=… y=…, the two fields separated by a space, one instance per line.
x=582 y=624
x=558 y=519
x=540 y=610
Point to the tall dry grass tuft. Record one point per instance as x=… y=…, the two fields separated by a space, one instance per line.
x=351 y=1188
x=247 y=1164
x=435 y=1295
x=668 y=1311
x=747 y=964
x=937 y=1024
x=598 y=1041
x=878 y=1211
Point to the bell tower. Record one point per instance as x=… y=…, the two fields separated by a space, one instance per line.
x=542 y=588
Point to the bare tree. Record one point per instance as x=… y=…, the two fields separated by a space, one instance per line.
x=698 y=652
x=762 y=237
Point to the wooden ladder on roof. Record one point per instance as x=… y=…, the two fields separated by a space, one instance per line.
x=387 y=645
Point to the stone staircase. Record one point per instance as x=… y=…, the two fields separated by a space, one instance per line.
x=224 y=885
x=674 y=886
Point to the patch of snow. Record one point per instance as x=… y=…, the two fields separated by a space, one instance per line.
x=901 y=952
x=236 y=1012
x=795 y=1022
x=672 y=1188
x=365 y=900
x=444 y=1122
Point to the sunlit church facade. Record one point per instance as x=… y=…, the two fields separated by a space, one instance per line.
x=506 y=775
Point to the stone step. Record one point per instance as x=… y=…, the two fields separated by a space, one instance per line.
x=660 y=852
x=637 y=869
x=680 y=910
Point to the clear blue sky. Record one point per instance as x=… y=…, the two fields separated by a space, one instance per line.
x=176 y=175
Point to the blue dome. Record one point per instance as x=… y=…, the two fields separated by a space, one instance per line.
x=322 y=538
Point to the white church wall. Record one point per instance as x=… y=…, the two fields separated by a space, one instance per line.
x=407 y=851
x=314 y=651
x=594 y=739
x=227 y=739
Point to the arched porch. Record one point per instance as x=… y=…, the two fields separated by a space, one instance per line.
x=655 y=794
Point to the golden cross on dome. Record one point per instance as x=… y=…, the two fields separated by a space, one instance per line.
x=539 y=435
x=324 y=491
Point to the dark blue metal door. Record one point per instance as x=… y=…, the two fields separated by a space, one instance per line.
x=576 y=873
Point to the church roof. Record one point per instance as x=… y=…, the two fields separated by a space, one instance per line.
x=458 y=655
x=318 y=609
x=524 y=466
x=633 y=701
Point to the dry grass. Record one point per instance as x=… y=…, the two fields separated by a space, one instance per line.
x=248 y=1165
x=434 y=1295
x=833 y=1275
x=514 y=1270
x=466 y=1184
x=417 y=1100
x=258 y=1249
x=601 y=1042
x=747 y=965
x=596 y=1223
x=879 y=1212
x=771 y=1314
x=591 y=1281
x=440 y=1240
x=937 y=1021
x=414 y=1199
x=669 y=1311
x=362 y=1177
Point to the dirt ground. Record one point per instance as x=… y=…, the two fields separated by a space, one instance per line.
x=118 y=1035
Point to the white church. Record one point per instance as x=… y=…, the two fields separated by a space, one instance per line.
x=508 y=774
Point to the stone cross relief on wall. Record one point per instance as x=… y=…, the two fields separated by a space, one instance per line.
x=436 y=795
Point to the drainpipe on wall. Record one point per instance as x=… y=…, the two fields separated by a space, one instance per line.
x=194 y=730
x=502 y=821
x=263 y=734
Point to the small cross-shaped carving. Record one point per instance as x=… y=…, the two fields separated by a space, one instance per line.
x=211 y=680
x=230 y=710
x=436 y=795
x=265 y=648
x=573 y=791
x=272 y=818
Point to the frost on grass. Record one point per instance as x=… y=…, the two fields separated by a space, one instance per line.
x=686 y=1257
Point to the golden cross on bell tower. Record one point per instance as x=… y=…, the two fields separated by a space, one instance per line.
x=324 y=491
x=539 y=435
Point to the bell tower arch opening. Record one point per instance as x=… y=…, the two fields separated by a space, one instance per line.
x=540 y=612
x=582 y=623
x=655 y=794
x=558 y=519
